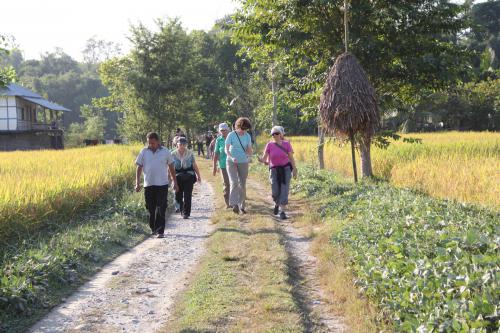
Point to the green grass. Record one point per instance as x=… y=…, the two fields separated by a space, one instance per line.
x=39 y=271
x=430 y=265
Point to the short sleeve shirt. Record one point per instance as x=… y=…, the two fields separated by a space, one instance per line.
x=220 y=150
x=278 y=156
x=155 y=165
x=237 y=149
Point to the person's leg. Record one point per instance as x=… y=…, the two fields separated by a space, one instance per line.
x=232 y=172
x=226 y=186
x=188 y=194
x=150 y=198
x=162 y=203
x=178 y=194
x=284 y=190
x=242 y=176
x=275 y=189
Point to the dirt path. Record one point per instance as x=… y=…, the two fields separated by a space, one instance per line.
x=302 y=265
x=134 y=293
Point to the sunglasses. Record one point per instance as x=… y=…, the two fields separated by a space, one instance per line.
x=275 y=134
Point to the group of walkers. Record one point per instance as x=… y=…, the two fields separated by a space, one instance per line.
x=231 y=153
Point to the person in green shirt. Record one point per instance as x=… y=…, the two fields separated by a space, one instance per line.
x=220 y=158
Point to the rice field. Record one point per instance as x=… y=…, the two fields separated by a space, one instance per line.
x=464 y=166
x=35 y=185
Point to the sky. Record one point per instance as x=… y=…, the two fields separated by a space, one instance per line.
x=40 y=26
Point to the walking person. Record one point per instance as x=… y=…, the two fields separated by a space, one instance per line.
x=186 y=173
x=238 y=149
x=174 y=148
x=155 y=162
x=208 y=141
x=278 y=154
x=199 y=143
x=220 y=160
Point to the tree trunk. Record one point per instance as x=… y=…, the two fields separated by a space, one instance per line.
x=353 y=153
x=366 y=161
x=273 y=89
x=321 y=147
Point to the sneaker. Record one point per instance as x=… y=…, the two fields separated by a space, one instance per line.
x=243 y=210
x=276 y=209
x=161 y=236
x=283 y=216
x=185 y=217
x=154 y=233
x=177 y=210
x=236 y=209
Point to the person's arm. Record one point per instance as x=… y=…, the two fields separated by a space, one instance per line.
x=249 y=150
x=197 y=171
x=215 y=160
x=265 y=156
x=292 y=162
x=171 y=169
x=138 y=172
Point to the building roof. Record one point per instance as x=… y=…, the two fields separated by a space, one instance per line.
x=18 y=91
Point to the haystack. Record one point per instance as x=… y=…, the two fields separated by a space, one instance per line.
x=348 y=106
x=348 y=102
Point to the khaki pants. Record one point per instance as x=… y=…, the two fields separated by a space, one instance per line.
x=238 y=174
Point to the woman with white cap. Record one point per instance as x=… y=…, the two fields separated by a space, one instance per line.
x=220 y=157
x=278 y=154
x=186 y=173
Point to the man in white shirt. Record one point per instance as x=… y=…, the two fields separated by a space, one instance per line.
x=155 y=162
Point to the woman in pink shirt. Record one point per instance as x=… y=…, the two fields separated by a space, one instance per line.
x=278 y=154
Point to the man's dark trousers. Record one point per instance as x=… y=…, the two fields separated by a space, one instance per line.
x=156 y=204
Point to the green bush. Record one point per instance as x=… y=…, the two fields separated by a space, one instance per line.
x=431 y=265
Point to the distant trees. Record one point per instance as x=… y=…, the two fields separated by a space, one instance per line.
x=7 y=72
x=172 y=78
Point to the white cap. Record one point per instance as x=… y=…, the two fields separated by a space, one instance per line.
x=223 y=126
x=278 y=129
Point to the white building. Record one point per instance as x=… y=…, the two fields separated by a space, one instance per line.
x=28 y=121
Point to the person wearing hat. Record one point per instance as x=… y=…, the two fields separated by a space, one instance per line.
x=220 y=157
x=278 y=154
x=186 y=173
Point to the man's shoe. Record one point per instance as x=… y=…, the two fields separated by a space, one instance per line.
x=283 y=216
x=161 y=236
x=276 y=209
x=236 y=209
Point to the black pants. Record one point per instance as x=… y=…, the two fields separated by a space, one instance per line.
x=156 y=204
x=185 y=194
x=200 y=148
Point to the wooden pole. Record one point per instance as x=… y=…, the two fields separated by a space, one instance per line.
x=353 y=152
x=346 y=32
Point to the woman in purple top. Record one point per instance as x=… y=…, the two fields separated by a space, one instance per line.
x=278 y=154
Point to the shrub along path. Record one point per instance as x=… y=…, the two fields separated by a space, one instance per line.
x=134 y=293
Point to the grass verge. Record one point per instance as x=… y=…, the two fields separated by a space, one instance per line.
x=335 y=276
x=242 y=282
x=428 y=264
x=38 y=272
